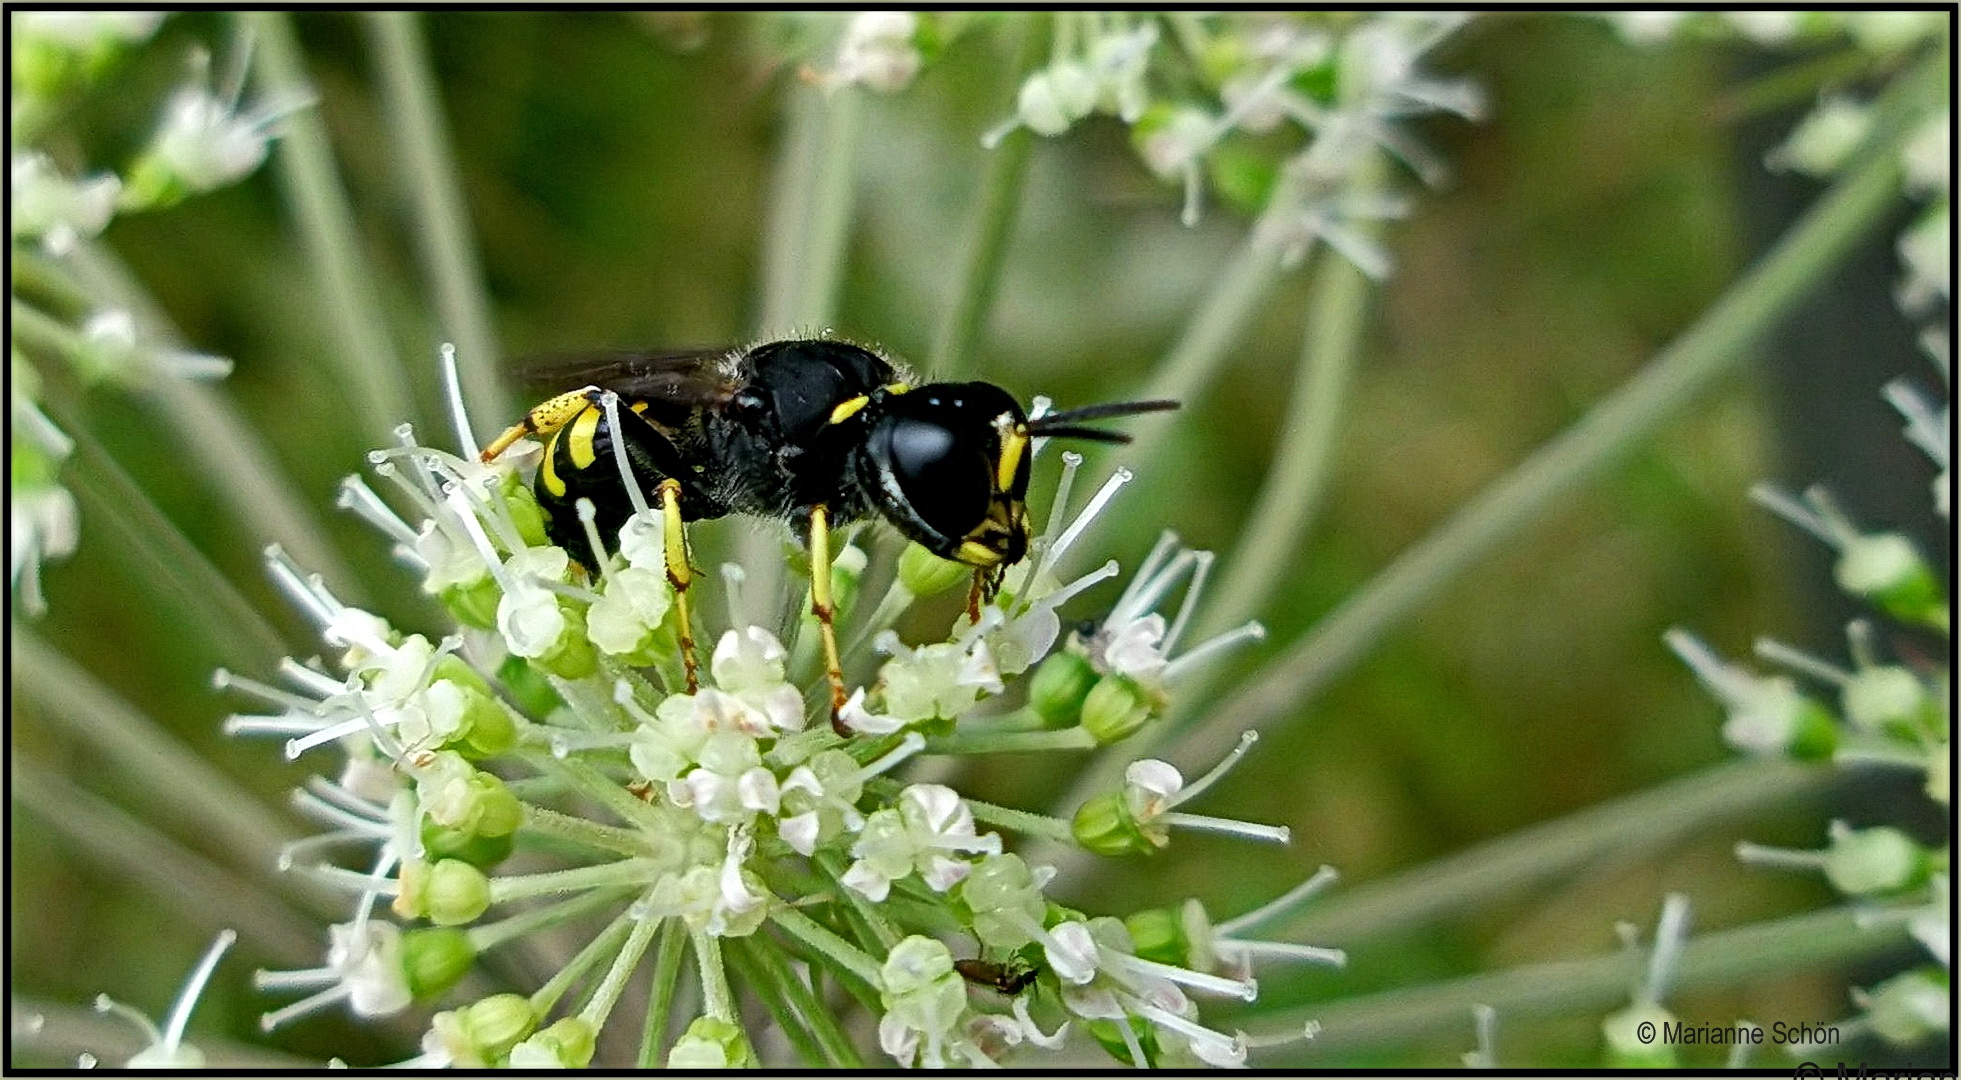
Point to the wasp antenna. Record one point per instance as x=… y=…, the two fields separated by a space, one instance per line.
x=1070 y=431
x=1098 y=412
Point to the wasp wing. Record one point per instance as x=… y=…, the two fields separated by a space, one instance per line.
x=691 y=379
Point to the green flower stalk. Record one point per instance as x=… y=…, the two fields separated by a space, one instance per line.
x=725 y=810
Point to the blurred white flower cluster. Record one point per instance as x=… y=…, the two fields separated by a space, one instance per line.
x=204 y=139
x=554 y=719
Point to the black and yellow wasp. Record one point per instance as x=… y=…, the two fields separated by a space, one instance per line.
x=817 y=433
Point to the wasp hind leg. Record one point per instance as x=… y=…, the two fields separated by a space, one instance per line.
x=822 y=606
x=679 y=574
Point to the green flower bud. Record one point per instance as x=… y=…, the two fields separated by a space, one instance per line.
x=710 y=1043
x=1115 y=708
x=923 y=573
x=452 y=892
x=1104 y=825
x=473 y=848
x=572 y=656
x=1815 y=737
x=1910 y=1006
x=1626 y=1049
x=435 y=958
x=567 y=1044
x=1880 y=860
x=1059 y=687
x=525 y=511
x=1885 y=568
x=496 y=1024
x=533 y=694
x=474 y=604
x=1159 y=934
x=472 y=801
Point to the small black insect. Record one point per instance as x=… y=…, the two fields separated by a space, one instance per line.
x=813 y=432
x=1009 y=977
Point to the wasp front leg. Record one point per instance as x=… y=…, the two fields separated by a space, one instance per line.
x=679 y=574
x=822 y=606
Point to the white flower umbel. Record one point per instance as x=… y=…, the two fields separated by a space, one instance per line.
x=544 y=718
x=878 y=52
x=167 y=1048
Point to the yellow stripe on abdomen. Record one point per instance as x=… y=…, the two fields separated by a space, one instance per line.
x=548 y=468
x=581 y=435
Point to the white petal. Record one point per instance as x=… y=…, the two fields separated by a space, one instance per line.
x=757 y=790
x=800 y=832
x=942 y=873
x=874 y=885
x=1072 y=954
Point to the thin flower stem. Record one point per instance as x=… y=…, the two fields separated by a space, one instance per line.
x=46 y=1031
x=1020 y=821
x=591 y=782
x=164 y=558
x=237 y=463
x=546 y=822
x=1737 y=957
x=995 y=209
x=717 y=1000
x=598 y=1009
x=1304 y=450
x=769 y=987
x=487 y=936
x=660 y=992
x=206 y=897
x=422 y=145
x=507 y=887
x=832 y=947
x=173 y=780
x=602 y=943
x=1645 y=821
x=1009 y=742
x=370 y=374
x=871 y=922
x=823 y=1023
x=1680 y=375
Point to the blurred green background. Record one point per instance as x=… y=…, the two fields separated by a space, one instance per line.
x=617 y=170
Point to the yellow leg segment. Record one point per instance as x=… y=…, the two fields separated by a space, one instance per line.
x=822 y=606
x=679 y=574
x=544 y=418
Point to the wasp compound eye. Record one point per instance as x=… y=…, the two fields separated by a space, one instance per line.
x=940 y=470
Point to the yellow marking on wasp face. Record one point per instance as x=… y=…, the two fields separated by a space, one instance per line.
x=583 y=429
x=896 y=387
x=847 y=409
x=548 y=469
x=638 y=407
x=975 y=553
x=1014 y=442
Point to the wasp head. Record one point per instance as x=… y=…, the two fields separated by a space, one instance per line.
x=948 y=464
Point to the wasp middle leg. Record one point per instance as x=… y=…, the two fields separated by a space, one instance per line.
x=822 y=606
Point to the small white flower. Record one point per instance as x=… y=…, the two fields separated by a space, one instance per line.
x=748 y=666
x=206 y=142
x=927 y=832
x=528 y=614
x=878 y=52
x=167 y=1048
x=112 y=348
x=632 y=606
x=43 y=526
x=59 y=211
x=940 y=680
x=364 y=968
x=924 y=999
x=1824 y=138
